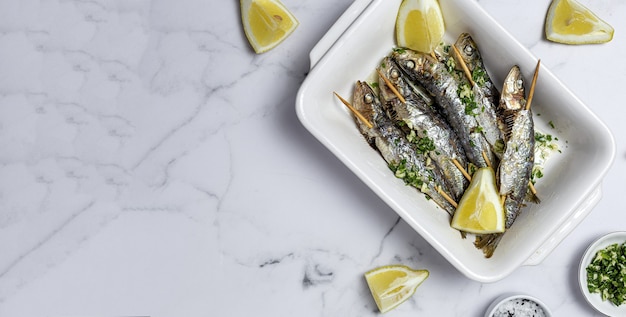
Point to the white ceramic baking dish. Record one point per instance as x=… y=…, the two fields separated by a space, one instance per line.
x=569 y=190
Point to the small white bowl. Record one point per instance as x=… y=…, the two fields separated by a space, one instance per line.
x=595 y=300
x=503 y=299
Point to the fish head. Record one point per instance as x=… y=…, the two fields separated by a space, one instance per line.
x=513 y=92
x=369 y=106
x=412 y=61
x=366 y=103
x=392 y=72
x=468 y=50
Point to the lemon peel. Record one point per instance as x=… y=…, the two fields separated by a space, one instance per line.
x=391 y=285
x=480 y=210
x=570 y=22
x=419 y=25
x=266 y=23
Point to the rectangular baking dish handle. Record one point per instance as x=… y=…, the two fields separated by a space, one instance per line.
x=564 y=229
x=335 y=31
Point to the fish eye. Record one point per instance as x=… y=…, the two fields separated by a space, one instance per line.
x=519 y=84
x=368 y=98
x=410 y=64
x=468 y=50
x=394 y=73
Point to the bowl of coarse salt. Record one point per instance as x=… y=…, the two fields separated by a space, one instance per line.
x=517 y=305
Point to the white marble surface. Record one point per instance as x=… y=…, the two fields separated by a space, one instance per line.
x=152 y=165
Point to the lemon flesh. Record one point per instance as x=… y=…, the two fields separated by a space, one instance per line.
x=391 y=285
x=266 y=23
x=419 y=25
x=570 y=22
x=480 y=209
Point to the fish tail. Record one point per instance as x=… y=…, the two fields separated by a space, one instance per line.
x=488 y=243
x=530 y=196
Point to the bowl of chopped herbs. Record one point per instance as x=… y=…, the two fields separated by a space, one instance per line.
x=602 y=274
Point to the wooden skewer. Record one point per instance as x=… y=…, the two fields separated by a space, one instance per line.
x=531 y=92
x=486 y=159
x=356 y=112
x=391 y=86
x=469 y=178
x=466 y=70
x=532 y=188
x=447 y=197
x=462 y=169
x=528 y=103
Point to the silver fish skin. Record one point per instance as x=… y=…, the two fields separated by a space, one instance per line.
x=486 y=94
x=470 y=54
x=430 y=131
x=396 y=150
x=518 y=159
x=444 y=86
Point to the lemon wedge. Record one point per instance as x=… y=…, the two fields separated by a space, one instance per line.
x=266 y=23
x=419 y=25
x=570 y=22
x=391 y=285
x=480 y=209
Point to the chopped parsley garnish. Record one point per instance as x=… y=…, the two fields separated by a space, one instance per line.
x=546 y=141
x=479 y=76
x=411 y=137
x=399 y=50
x=545 y=145
x=543 y=138
x=551 y=124
x=450 y=65
x=374 y=85
x=408 y=174
x=536 y=174
x=606 y=274
x=471 y=168
x=467 y=97
x=422 y=145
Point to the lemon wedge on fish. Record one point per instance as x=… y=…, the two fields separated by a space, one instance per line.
x=391 y=285
x=570 y=22
x=480 y=209
x=419 y=25
x=266 y=23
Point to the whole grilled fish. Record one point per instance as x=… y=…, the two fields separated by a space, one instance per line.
x=485 y=92
x=518 y=158
x=398 y=152
x=427 y=129
x=456 y=106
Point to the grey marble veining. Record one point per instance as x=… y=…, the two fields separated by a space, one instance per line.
x=152 y=165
